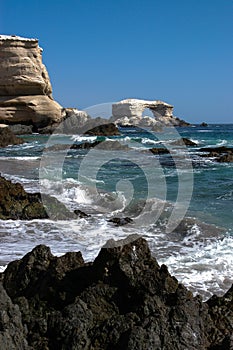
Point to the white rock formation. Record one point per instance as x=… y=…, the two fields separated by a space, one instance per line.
x=132 y=112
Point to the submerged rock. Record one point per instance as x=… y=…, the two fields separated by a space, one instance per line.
x=7 y=137
x=184 y=141
x=121 y=221
x=204 y=124
x=123 y=300
x=159 y=150
x=222 y=154
x=102 y=145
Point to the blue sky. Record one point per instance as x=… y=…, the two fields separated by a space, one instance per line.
x=96 y=51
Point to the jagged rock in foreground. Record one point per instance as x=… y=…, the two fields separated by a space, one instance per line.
x=7 y=137
x=123 y=300
x=25 y=88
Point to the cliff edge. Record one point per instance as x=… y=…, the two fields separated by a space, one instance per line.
x=25 y=88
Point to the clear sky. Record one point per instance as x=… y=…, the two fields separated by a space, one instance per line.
x=96 y=51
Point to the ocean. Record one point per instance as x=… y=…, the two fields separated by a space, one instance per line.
x=180 y=202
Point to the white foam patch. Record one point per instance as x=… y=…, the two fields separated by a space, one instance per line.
x=204 y=268
x=150 y=141
x=221 y=143
x=28 y=158
x=3 y=268
x=79 y=138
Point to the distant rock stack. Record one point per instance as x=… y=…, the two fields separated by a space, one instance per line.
x=144 y=113
x=25 y=88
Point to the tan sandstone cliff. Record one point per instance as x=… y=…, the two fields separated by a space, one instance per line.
x=25 y=88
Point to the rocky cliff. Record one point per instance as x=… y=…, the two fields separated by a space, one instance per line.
x=25 y=88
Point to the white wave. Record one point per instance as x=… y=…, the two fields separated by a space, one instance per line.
x=28 y=158
x=204 y=268
x=3 y=268
x=204 y=131
x=80 y=138
x=67 y=191
x=226 y=196
x=76 y=194
x=150 y=141
x=221 y=143
x=195 y=140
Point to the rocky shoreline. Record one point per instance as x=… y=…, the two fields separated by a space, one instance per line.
x=122 y=300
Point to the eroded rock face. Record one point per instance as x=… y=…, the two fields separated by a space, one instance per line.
x=7 y=137
x=25 y=88
x=134 y=112
x=123 y=300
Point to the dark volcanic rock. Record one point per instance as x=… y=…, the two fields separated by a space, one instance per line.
x=221 y=313
x=12 y=332
x=109 y=129
x=121 y=221
x=222 y=154
x=181 y=122
x=7 y=137
x=216 y=150
x=157 y=150
x=123 y=300
x=102 y=145
x=204 y=124
x=227 y=158
x=16 y=203
x=184 y=141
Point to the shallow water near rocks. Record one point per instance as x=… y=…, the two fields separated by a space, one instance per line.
x=198 y=252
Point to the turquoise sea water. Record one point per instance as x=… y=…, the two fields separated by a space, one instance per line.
x=135 y=183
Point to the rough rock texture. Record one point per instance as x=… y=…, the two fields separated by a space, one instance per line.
x=101 y=145
x=73 y=122
x=221 y=154
x=121 y=221
x=25 y=88
x=109 y=129
x=157 y=150
x=134 y=112
x=123 y=300
x=7 y=137
x=184 y=141
x=12 y=332
x=16 y=203
x=20 y=129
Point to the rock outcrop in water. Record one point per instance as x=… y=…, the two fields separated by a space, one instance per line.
x=7 y=137
x=123 y=300
x=221 y=154
x=144 y=113
x=17 y=204
x=25 y=88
